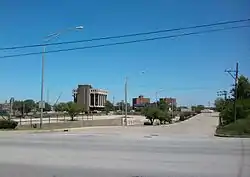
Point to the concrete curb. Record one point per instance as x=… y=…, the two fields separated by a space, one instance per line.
x=231 y=136
x=60 y=130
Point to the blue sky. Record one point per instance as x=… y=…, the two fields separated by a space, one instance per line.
x=189 y=68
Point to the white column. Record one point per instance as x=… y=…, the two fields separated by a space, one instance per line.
x=102 y=101
x=94 y=99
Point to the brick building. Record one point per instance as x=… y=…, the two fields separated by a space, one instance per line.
x=169 y=101
x=140 y=101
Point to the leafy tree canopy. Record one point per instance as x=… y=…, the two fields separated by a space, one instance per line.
x=108 y=106
x=219 y=104
x=61 y=107
x=73 y=109
x=243 y=90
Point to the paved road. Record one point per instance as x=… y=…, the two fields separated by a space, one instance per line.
x=186 y=149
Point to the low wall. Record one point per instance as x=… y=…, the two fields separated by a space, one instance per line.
x=80 y=123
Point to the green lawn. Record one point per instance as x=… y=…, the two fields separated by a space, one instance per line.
x=240 y=127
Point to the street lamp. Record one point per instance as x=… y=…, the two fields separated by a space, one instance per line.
x=126 y=101
x=126 y=98
x=156 y=96
x=47 y=39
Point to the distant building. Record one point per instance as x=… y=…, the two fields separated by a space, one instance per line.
x=5 y=106
x=90 y=98
x=4 y=109
x=169 y=101
x=140 y=102
x=186 y=110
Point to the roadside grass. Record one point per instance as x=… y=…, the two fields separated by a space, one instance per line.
x=240 y=128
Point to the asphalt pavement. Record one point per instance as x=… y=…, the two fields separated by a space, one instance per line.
x=185 y=149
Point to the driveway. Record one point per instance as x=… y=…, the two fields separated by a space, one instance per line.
x=185 y=149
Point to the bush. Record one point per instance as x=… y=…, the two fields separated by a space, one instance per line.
x=242 y=111
x=151 y=114
x=240 y=127
x=8 y=124
x=187 y=114
x=164 y=117
x=147 y=123
x=182 y=118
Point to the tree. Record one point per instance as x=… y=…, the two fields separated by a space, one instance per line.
x=242 y=111
x=164 y=117
x=47 y=107
x=18 y=106
x=242 y=103
x=108 y=107
x=199 y=108
x=25 y=106
x=219 y=104
x=61 y=107
x=121 y=106
x=29 y=105
x=151 y=114
x=163 y=106
x=243 y=90
x=73 y=109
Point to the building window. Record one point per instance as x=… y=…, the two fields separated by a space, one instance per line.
x=96 y=99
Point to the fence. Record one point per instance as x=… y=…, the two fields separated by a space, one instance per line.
x=30 y=120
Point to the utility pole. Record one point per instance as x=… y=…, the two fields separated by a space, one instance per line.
x=48 y=96
x=47 y=39
x=235 y=77
x=126 y=100
x=41 y=105
x=222 y=93
x=11 y=107
x=156 y=95
x=23 y=109
x=113 y=103
x=172 y=108
x=122 y=106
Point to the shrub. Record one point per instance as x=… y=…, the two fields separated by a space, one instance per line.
x=164 y=117
x=240 y=127
x=182 y=118
x=151 y=114
x=147 y=123
x=187 y=114
x=8 y=124
x=242 y=110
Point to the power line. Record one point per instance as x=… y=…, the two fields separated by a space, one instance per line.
x=125 y=42
x=128 y=35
